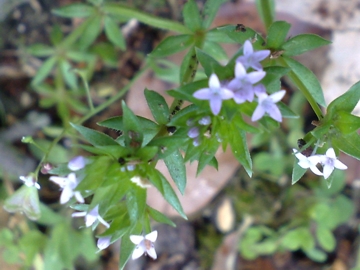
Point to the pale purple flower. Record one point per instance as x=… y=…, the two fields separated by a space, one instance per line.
x=330 y=162
x=77 y=163
x=103 y=242
x=91 y=217
x=215 y=94
x=250 y=58
x=308 y=162
x=206 y=120
x=68 y=184
x=267 y=105
x=141 y=182
x=193 y=132
x=144 y=244
x=243 y=83
x=30 y=181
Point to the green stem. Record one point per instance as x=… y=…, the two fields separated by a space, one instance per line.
x=87 y=89
x=266 y=11
x=126 y=12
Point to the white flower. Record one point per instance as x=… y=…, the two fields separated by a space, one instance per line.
x=103 y=242
x=68 y=184
x=91 y=217
x=329 y=162
x=141 y=182
x=77 y=163
x=308 y=162
x=29 y=181
x=144 y=244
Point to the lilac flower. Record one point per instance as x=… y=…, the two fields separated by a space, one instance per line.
x=77 y=163
x=308 y=162
x=91 y=217
x=193 y=132
x=250 y=58
x=68 y=184
x=267 y=105
x=206 y=120
x=103 y=242
x=215 y=94
x=242 y=84
x=144 y=244
x=329 y=162
x=30 y=181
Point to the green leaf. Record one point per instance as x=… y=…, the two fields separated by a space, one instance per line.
x=76 y=10
x=113 y=33
x=31 y=244
x=298 y=238
x=172 y=45
x=188 y=66
x=297 y=172
x=68 y=74
x=345 y=102
x=191 y=15
x=207 y=156
x=325 y=238
x=158 y=106
x=159 y=217
x=303 y=43
x=346 y=122
x=136 y=203
x=209 y=63
x=126 y=246
x=166 y=190
x=211 y=7
x=241 y=37
x=44 y=70
x=40 y=50
x=215 y=50
x=122 y=11
x=48 y=216
x=308 y=79
x=94 y=137
x=316 y=255
x=168 y=144
x=237 y=140
x=277 y=34
x=132 y=128
x=349 y=144
x=218 y=35
x=286 y=112
x=56 y=35
x=91 y=32
x=176 y=166
x=147 y=153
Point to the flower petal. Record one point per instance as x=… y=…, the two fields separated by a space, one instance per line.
x=152 y=253
x=339 y=165
x=274 y=113
x=277 y=96
x=330 y=153
x=327 y=171
x=76 y=163
x=258 y=113
x=136 y=239
x=152 y=236
x=215 y=104
x=240 y=71
x=138 y=252
x=255 y=76
x=214 y=81
x=248 y=48
x=203 y=94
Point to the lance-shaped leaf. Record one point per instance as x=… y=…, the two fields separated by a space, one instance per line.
x=349 y=144
x=136 y=203
x=172 y=45
x=132 y=128
x=346 y=122
x=113 y=33
x=94 y=137
x=303 y=43
x=44 y=70
x=158 y=106
x=191 y=15
x=297 y=172
x=345 y=102
x=159 y=217
x=176 y=166
x=76 y=10
x=126 y=246
x=93 y=28
x=277 y=34
x=211 y=7
x=24 y=200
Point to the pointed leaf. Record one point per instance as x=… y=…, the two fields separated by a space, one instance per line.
x=172 y=45
x=349 y=144
x=277 y=34
x=297 y=172
x=191 y=15
x=76 y=10
x=44 y=70
x=136 y=203
x=176 y=166
x=211 y=7
x=126 y=246
x=113 y=33
x=346 y=102
x=94 y=137
x=91 y=32
x=303 y=43
x=160 y=217
x=68 y=74
x=132 y=128
x=158 y=106
x=237 y=141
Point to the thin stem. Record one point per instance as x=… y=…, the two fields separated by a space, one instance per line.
x=87 y=89
x=266 y=10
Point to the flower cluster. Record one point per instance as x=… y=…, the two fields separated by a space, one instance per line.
x=69 y=183
x=328 y=161
x=197 y=129
x=244 y=87
x=144 y=245
x=91 y=217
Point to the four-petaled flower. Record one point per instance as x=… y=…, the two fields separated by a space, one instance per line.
x=242 y=84
x=329 y=162
x=91 y=217
x=250 y=58
x=267 y=105
x=215 y=94
x=30 y=181
x=308 y=162
x=68 y=184
x=144 y=244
